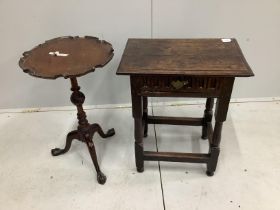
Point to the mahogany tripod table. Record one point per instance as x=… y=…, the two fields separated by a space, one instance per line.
x=71 y=57
x=204 y=68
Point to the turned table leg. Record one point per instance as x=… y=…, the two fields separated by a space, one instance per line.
x=145 y=115
x=137 y=112
x=207 y=118
x=222 y=105
x=214 y=149
x=85 y=130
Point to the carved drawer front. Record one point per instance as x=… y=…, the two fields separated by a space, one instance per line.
x=178 y=84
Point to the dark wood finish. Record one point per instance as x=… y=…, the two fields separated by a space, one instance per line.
x=137 y=112
x=181 y=85
x=145 y=115
x=209 y=132
x=175 y=120
x=85 y=131
x=85 y=54
x=182 y=68
x=176 y=157
x=200 y=57
x=207 y=118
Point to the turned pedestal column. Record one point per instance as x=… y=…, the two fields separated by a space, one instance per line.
x=85 y=131
x=71 y=57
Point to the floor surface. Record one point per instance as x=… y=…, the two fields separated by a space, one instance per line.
x=247 y=176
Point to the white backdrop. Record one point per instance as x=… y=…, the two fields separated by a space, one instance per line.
x=24 y=24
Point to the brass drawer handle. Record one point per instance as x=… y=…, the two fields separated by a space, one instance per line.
x=179 y=84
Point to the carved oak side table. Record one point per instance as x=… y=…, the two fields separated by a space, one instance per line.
x=204 y=68
x=71 y=57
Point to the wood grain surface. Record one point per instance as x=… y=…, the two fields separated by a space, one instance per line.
x=184 y=57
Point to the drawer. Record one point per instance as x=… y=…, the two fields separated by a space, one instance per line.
x=176 y=84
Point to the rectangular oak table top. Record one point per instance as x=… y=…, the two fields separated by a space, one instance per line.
x=197 y=57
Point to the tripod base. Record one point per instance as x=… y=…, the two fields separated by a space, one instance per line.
x=86 y=136
x=85 y=131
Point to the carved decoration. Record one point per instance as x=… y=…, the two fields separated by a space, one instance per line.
x=178 y=84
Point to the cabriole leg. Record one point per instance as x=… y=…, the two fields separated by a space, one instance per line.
x=70 y=137
x=101 y=178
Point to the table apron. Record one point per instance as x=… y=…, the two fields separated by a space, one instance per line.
x=177 y=86
x=179 y=94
